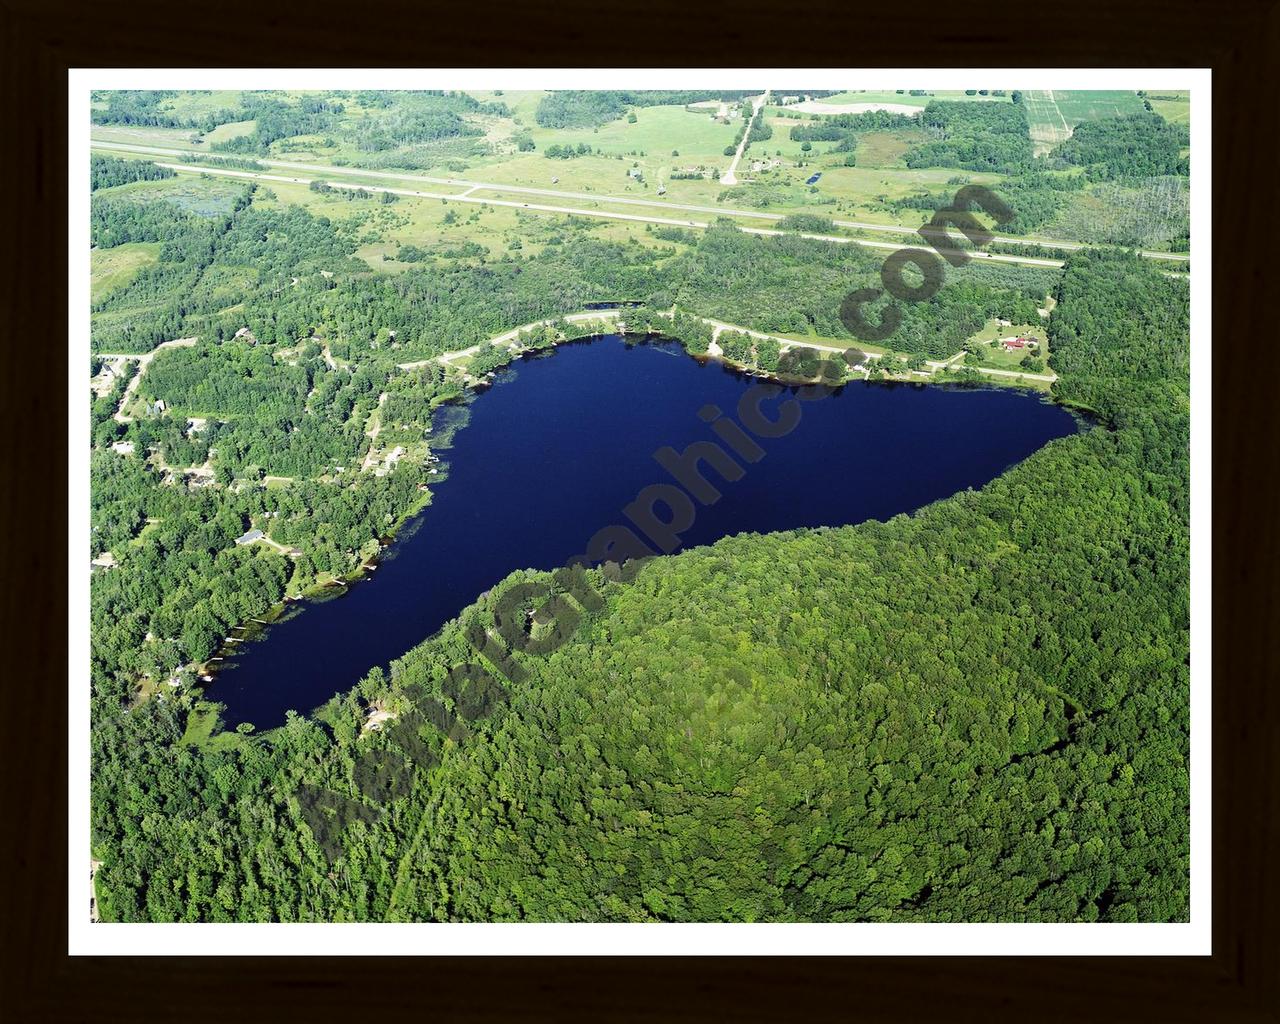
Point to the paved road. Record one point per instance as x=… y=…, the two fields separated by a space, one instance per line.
x=470 y=186
x=730 y=176
x=581 y=212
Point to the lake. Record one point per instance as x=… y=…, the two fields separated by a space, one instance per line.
x=563 y=441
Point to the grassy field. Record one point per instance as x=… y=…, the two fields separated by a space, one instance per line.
x=137 y=135
x=230 y=130
x=523 y=103
x=201 y=723
x=443 y=229
x=885 y=149
x=201 y=104
x=1172 y=106
x=114 y=268
x=656 y=132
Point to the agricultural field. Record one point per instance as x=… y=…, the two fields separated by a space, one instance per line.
x=1094 y=105
x=921 y=98
x=1052 y=114
x=1174 y=106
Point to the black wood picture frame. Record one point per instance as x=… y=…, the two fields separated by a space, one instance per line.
x=1237 y=39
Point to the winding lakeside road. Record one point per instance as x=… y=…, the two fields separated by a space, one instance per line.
x=509 y=338
x=470 y=186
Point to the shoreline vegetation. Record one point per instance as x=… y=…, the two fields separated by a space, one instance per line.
x=599 y=322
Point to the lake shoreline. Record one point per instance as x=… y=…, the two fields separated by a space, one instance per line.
x=592 y=378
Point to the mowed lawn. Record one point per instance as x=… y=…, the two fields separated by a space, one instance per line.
x=114 y=268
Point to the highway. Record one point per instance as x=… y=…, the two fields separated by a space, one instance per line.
x=467 y=197
x=471 y=186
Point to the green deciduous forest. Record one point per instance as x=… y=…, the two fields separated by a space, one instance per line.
x=789 y=284
x=1139 y=145
x=977 y=136
x=977 y=712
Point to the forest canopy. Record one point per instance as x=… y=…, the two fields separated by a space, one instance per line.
x=890 y=721
x=1138 y=145
x=978 y=136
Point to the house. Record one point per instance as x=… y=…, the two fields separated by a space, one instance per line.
x=1013 y=344
x=250 y=537
x=247 y=335
x=123 y=447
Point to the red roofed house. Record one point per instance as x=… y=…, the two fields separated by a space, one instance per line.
x=1015 y=343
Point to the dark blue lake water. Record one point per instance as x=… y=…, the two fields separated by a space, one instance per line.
x=554 y=451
